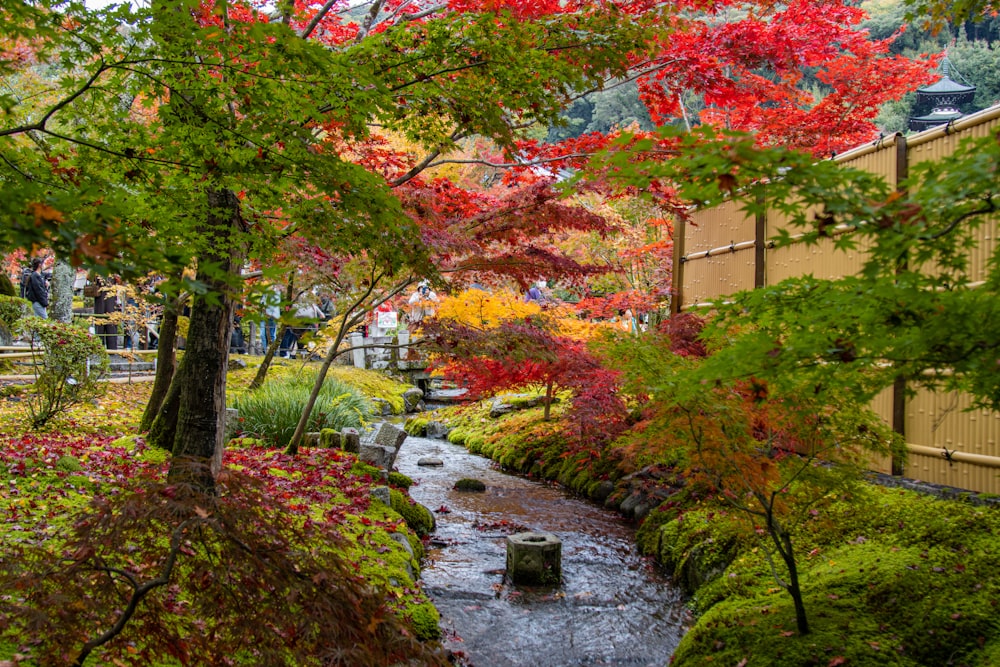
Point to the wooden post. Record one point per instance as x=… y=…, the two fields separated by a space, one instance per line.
x=899 y=385
x=677 y=288
x=760 y=247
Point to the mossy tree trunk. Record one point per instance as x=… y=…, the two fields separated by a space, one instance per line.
x=191 y=420
x=61 y=292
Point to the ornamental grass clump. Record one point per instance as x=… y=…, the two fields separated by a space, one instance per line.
x=271 y=413
x=69 y=365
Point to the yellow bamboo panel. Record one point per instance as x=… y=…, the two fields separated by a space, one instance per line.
x=936 y=144
x=935 y=423
x=713 y=278
x=881 y=405
x=937 y=419
x=943 y=422
x=821 y=260
x=937 y=470
x=716 y=227
x=876 y=158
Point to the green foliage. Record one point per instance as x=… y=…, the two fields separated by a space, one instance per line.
x=7 y=287
x=271 y=413
x=13 y=308
x=72 y=366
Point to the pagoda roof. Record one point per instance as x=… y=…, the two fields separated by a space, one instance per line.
x=946 y=85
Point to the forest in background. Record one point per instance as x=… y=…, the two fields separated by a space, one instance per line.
x=971 y=47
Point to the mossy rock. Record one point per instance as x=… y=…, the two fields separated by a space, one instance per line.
x=416 y=426
x=417 y=517
x=425 y=620
x=400 y=480
x=360 y=469
x=468 y=484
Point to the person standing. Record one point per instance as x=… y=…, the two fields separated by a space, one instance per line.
x=271 y=301
x=37 y=289
x=422 y=302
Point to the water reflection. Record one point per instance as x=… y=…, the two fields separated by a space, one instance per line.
x=612 y=607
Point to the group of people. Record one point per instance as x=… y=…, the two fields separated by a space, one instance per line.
x=308 y=315
x=311 y=310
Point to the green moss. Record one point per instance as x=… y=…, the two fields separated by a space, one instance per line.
x=360 y=469
x=238 y=443
x=69 y=464
x=154 y=455
x=400 y=480
x=457 y=436
x=129 y=442
x=417 y=517
x=7 y=286
x=328 y=437
x=477 y=444
x=416 y=426
x=374 y=384
x=425 y=620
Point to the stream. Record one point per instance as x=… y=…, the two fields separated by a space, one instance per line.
x=612 y=608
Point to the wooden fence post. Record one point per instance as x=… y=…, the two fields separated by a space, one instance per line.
x=899 y=385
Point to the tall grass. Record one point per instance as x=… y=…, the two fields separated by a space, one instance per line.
x=272 y=412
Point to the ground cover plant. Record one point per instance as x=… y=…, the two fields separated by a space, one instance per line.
x=106 y=561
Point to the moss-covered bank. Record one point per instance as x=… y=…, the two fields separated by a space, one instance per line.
x=891 y=577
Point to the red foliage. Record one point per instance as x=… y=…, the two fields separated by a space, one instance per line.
x=526 y=353
x=683 y=330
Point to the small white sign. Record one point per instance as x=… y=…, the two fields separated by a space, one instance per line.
x=387 y=320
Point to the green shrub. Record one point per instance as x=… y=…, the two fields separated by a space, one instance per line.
x=6 y=286
x=72 y=366
x=13 y=308
x=272 y=412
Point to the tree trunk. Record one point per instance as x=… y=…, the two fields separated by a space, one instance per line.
x=199 y=384
x=258 y=379
x=61 y=290
x=548 y=401
x=166 y=363
x=784 y=545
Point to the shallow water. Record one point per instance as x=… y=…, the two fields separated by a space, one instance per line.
x=612 y=607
